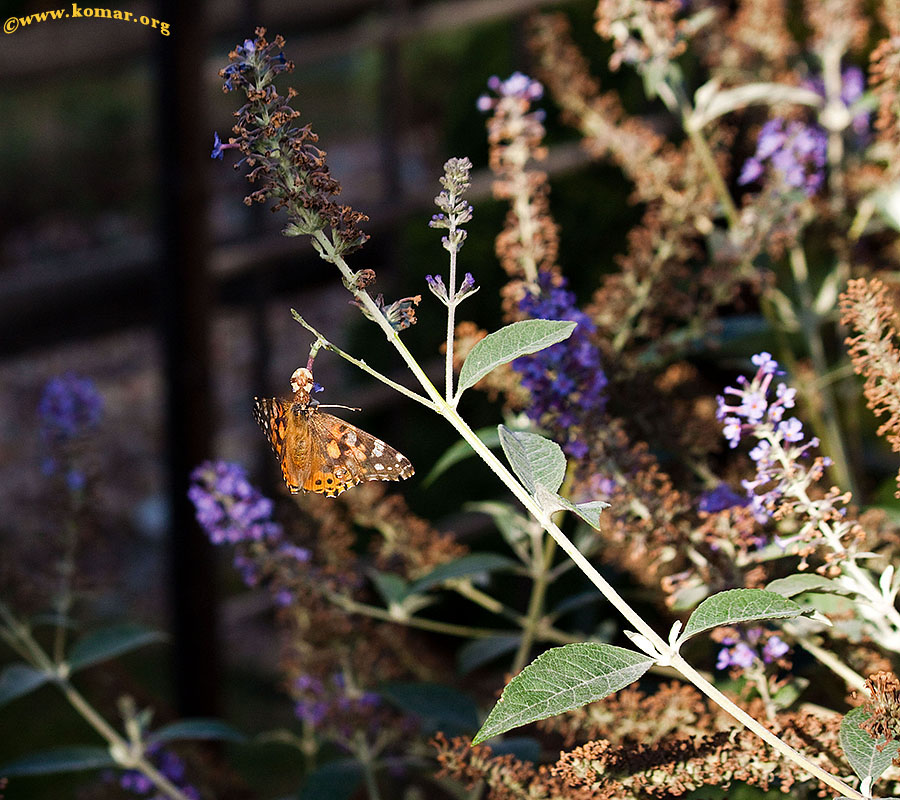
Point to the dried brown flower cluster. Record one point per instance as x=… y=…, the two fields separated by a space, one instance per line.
x=662 y=283
x=672 y=744
x=867 y=309
x=643 y=32
x=883 y=706
x=281 y=156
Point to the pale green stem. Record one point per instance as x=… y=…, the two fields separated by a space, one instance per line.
x=542 y=564
x=451 y=326
x=828 y=659
x=63 y=604
x=362 y=364
x=448 y=628
x=492 y=604
x=365 y=757
x=764 y=733
x=701 y=147
x=809 y=321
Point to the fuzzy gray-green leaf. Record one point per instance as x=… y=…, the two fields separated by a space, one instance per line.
x=563 y=679
x=862 y=750
x=739 y=605
x=535 y=459
x=510 y=342
x=805 y=582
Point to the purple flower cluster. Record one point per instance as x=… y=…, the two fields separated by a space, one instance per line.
x=516 y=85
x=566 y=380
x=229 y=508
x=778 y=441
x=320 y=702
x=70 y=406
x=744 y=652
x=795 y=152
x=169 y=765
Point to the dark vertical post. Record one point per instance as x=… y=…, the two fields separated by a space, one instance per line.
x=185 y=301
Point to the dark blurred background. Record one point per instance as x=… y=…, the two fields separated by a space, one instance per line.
x=127 y=256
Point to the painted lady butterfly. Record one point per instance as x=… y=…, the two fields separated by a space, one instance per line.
x=319 y=452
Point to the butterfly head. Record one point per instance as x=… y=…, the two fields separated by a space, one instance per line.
x=302 y=385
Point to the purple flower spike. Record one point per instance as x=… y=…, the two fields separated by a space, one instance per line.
x=228 y=507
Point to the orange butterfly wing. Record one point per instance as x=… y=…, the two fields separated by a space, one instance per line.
x=323 y=454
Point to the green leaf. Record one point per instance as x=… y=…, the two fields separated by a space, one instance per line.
x=198 y=728
x=336 y=780
x=510 y=342
x=478 y=652
x=62 y=759
x=460 y=451
x=739 y=605
x=438 y=707
x=18 y=680
x=560 y=680
x=472 y=564
x=805 y=582
x=862 y=750
x=110 y=642
x=535 y=459
x=392 y=588
x=589 y=512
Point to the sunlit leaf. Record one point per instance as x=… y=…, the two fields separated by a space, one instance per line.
x=862 y=750
x=507 y=344
x=739 y=605
x=536 y=460
x=563 y=679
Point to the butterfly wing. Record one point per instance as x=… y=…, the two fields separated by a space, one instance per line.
x=280 y=427
x=344 y=456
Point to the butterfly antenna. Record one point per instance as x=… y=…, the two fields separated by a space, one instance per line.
x=332 y=405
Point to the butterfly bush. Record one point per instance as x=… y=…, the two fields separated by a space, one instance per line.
x=394 y=635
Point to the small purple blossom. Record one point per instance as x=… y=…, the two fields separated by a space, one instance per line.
x=774 y=649
x=69 y=408
x=299 y=554
x=170 y=765
x=219 y=147
x=518 y=86
x=228 y=507
x=794 y=151
x=744 y=651
x=740 y=655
